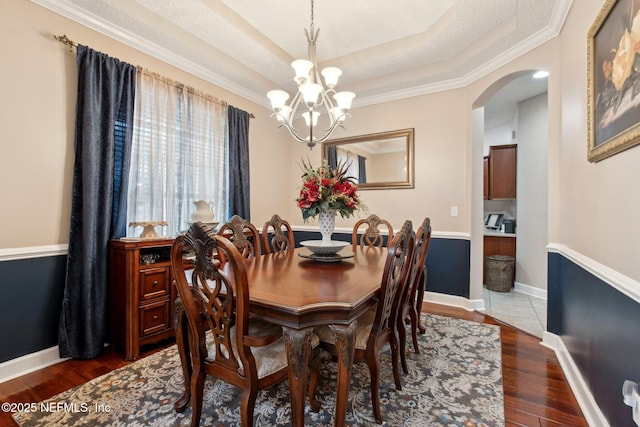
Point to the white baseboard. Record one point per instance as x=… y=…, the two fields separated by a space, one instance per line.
x=530 y=290
x=588 y=404
x=28 y=363
x=454 y=301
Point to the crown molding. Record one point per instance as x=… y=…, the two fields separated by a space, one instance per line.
x=117 y=33
x=96 y=23
x=553 y=30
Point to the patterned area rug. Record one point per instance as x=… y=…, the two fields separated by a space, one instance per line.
x=455 y=381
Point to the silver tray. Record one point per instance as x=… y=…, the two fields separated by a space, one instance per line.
x=325 y=258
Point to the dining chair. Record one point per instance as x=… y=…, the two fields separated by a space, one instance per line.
x=244 y=235
x=371 y=235
x=377 y=327
x=408 y=311
x=280 y=238
x=216 y=334
x=422 y=286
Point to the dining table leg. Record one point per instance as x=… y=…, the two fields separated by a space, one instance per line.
x=344 y=339
x=298 y=347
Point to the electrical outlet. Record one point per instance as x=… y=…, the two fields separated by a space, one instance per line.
x=632 y=398
x=454 y=211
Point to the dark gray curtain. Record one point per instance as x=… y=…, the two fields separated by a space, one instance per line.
x=332 y=156
x=104 y=114
x=239 y=163
x=362 y=169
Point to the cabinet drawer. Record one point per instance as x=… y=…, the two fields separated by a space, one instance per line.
x=154 y=282
x=154 y=318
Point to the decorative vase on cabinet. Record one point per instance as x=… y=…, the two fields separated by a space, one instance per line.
x=204 y=211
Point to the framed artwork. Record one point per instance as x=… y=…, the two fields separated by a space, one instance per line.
x=613 y=79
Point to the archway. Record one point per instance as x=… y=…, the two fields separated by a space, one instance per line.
x=521 y=102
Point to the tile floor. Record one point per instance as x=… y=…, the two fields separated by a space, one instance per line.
x=520 y=310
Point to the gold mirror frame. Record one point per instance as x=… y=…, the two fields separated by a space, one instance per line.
x=367 y=143
x=607 y=91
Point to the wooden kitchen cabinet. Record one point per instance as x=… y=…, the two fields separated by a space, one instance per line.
x=141 y=293
x=501 y=171
x=486 y=177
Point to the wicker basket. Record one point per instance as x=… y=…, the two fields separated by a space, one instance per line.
x=499 y=272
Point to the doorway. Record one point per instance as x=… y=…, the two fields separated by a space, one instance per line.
x=515 y=114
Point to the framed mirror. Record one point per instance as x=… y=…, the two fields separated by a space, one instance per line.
x=376 y=161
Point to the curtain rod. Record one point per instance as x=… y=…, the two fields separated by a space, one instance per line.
x=68 y=42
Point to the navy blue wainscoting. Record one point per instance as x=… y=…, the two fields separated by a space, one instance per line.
x=600 y=327
x=31 y=292
x=448 y=262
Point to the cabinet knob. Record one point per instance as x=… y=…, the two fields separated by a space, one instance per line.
x=155 y=317
x=155 y=283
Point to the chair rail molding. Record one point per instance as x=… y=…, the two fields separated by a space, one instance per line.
x=10 y=254
x=617 y=280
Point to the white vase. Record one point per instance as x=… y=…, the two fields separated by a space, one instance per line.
x=327 y=223
x=204 y=211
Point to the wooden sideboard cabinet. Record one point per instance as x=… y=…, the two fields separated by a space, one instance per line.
x=500 y=172
x=141 y=293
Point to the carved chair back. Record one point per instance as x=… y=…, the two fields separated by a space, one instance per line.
x=277 y=235
x=371 y=236
x=394 y=280
x=243 y=235
x=378 y=328
x=215 y=302
x=408 y=307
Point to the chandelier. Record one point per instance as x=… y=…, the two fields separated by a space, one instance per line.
x=312 y=98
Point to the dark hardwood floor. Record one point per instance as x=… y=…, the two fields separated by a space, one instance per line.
x=536 y=392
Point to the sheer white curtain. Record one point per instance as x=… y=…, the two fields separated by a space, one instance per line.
x=179 y=154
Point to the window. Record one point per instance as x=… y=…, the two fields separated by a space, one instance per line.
x=179 y=154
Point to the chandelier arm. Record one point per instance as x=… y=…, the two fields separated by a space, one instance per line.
x=292 y=131
x=330 y=130
x=283 y=121
x=326 y=101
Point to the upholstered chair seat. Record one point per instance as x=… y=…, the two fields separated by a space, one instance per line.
x=269 y=359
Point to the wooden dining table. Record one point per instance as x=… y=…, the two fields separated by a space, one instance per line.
x=300 y=293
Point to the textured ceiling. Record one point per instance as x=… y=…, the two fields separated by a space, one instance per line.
x=387 y=50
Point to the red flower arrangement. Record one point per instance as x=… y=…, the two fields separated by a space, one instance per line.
x=326 y=188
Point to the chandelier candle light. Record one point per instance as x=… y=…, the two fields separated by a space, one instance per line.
x=312 y=95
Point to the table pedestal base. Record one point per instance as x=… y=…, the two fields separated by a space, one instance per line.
x=298 y=348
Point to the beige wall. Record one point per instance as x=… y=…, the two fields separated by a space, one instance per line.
x=531 y=252
x=37 y=116
x=596 y=212
x=592 y=207
x=440 y=153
